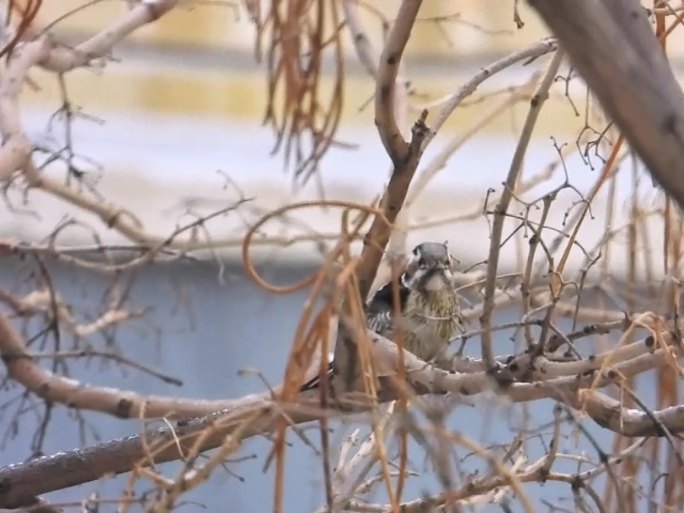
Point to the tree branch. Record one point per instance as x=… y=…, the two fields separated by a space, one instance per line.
x=385 y=85
x=23 y=368
x=16 y=147
x=258 y=414
x=452 y=101
x=612 y=45
x=362 y=44
x=540 y=96
x=405 y=158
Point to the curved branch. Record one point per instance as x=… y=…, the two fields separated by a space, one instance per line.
x=450 y=102
x=362 y=44
x=62 y=58
x=385 y=85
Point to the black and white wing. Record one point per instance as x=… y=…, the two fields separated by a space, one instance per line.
x=315 y=382
x=380 y=314
x=380 y=310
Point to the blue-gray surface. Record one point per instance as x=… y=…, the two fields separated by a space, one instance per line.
x=204 y=332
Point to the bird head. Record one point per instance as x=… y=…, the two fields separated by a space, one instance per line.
x=429 y=267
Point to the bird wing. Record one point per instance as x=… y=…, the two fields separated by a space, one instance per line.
x=380 y=314
x=315 y=381
x=380 y=309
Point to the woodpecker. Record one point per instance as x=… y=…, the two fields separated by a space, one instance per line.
x=428 y=305
x=430 y=313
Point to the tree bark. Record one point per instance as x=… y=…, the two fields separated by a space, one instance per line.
x=612 y=45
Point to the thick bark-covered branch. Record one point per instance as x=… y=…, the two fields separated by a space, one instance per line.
x=21 y=483
x=405 y=158
x=612 y=45
x=404 y=155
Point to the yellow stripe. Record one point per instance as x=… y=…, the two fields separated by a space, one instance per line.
x=242 y=96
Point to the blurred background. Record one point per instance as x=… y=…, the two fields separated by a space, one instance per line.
x=172 y=126
x=179 y=107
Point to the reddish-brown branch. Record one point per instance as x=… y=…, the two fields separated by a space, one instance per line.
x=405 y=157
x=385 y=86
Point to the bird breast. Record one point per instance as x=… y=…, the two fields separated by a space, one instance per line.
x=430 y=320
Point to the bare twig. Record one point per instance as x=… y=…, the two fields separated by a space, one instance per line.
x=500 y=213
x=453 y=100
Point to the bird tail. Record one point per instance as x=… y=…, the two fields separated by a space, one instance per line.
x=315 y=382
